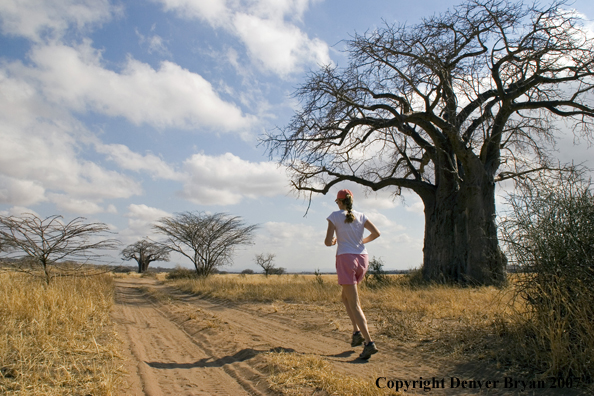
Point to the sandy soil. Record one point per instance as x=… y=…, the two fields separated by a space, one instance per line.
x=178 y=344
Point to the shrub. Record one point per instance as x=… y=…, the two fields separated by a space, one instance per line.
x=319 y=279
x=549 y=235
x=277 y=271
x=376 y=276
x=181 y=273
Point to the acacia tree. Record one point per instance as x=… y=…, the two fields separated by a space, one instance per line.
x=145 y=252
x=208 y=240
x=51 y=245
x=447 y=109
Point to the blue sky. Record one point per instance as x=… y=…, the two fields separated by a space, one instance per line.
x=127 y=111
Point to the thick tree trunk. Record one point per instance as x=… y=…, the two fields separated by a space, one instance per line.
x=461 y=243
x=143 y=263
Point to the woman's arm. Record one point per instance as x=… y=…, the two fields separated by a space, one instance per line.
x=369 y=226
x=330 y=240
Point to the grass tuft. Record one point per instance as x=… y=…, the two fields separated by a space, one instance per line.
x=292 y=373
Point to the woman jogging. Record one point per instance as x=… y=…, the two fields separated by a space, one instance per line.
x=352 y=263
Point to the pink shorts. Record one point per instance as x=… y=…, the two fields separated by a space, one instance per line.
x=351 y=268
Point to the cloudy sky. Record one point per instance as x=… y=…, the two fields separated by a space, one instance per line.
x=127 y=111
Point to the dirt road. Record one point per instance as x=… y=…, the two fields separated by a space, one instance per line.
x=178 y=344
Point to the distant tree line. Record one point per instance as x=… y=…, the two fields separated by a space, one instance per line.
x=51 y=246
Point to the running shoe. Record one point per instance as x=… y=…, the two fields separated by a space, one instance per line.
x=369 y=350
x=357 y=339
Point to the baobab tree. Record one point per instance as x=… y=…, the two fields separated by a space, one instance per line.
x=145 y=252
x=208 y=240
x=51 y=246
x=446 y=108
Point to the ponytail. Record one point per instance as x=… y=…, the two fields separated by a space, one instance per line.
x=348 y=203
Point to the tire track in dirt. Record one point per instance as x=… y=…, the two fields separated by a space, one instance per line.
x=162 y=358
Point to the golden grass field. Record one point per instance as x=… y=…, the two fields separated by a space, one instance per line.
x=58 y=339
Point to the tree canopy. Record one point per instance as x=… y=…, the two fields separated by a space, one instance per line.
x=208 y=240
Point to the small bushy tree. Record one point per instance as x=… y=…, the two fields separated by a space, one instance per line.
x=376 y=275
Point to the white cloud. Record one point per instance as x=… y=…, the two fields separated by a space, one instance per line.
x=267 y=28
x=41 y=153
x=130 y=160
x=276 y=235
x=140 y=221
x=413 y=203
x=20 y=192
x=278 y=46
x=18 y=211
x=380 y=220
x=66 y=203
x=227 y=179
x=403 y=243
x=213 y=11
x=168 y=97
x=297 y=246
x=145 y=213
x=35 y=19
x=155 y=43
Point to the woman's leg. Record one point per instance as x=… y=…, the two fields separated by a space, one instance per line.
x=349 y=311
x=350 y=298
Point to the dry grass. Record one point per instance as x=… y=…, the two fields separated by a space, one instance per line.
x=557 y=327
x=292 y=373
x=457 y=321
x=57 y=339
x=258 y=288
